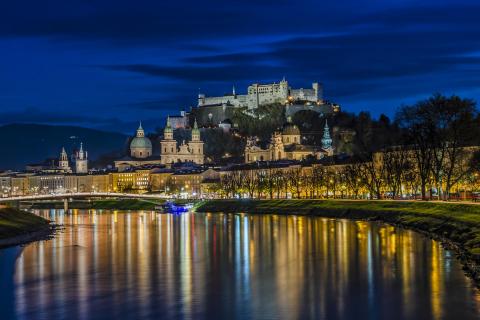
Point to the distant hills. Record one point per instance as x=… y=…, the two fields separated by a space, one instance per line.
x=22 y=144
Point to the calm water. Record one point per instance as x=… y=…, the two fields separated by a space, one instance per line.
x=230 y=266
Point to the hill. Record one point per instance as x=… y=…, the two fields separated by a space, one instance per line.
x=21 y=144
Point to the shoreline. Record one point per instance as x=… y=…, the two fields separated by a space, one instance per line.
x=19 y=227
x=44 y=233
x=452 y=234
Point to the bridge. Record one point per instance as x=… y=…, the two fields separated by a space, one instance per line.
x=79 y=195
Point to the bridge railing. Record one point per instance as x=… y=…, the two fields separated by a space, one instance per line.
x=83 y=194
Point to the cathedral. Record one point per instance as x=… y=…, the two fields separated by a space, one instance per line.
x=141 y=149
x=287 y=145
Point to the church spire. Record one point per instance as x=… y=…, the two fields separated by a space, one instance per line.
x=140 y=131
x=63 y=155
x=81 y=154
x=168 y=131
x=326 y=139
x=168 y=121
x=195 y=131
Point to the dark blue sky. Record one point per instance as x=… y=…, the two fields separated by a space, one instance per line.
x=108 y=65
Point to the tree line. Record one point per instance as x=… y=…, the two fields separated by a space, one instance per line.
x=429 y=151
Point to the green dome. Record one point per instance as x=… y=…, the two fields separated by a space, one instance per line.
x=141 y=143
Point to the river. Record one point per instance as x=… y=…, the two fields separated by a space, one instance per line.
x=141 y=264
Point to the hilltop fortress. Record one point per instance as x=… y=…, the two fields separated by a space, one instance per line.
x=214 y=110
x=262 y=94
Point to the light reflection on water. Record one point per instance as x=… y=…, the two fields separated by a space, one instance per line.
x=147 y=265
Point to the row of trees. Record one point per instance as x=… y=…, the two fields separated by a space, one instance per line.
x=439 y=132
x=431 y=152
x=390 y=175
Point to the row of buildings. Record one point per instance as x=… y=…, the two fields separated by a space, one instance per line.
x=181 y=181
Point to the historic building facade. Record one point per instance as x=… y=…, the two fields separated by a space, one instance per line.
x=141 y=150
x=186 y=152
x=213 y=110
x=287 y=145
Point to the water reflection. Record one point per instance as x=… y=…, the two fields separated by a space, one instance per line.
x=148 y=265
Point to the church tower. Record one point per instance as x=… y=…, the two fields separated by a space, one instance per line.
x=277 y=147
x=196 y=145
x=168 y=145
x=327 y=140
x=81 y=161
x=63 y=161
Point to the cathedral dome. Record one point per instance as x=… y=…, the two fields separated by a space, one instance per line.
x=140 y=143
x=141 y=146
x=290 y=129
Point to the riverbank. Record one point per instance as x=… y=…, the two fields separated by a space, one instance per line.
x=104 y=204
x=456 y=225
x=20 y=227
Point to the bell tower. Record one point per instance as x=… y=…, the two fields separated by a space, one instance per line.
x=81 y=161
x=196 y=145
x=63 y=161
x=168 y=145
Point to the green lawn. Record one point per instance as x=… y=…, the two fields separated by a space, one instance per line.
x=14 y=222
x=125 y=204
x=459 y=223
x=106 y=204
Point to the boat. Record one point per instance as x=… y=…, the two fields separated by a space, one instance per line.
x=171 y=207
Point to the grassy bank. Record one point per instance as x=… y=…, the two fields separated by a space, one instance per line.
x=106 y=204
x=20 y=224
x=457 y=224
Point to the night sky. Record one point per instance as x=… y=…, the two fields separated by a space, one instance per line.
x=108 y=64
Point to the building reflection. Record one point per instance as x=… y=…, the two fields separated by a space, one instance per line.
x=143 y=264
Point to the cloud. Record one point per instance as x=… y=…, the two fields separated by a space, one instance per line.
x=197 y=73
x=361 y=50
x=34 y=115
